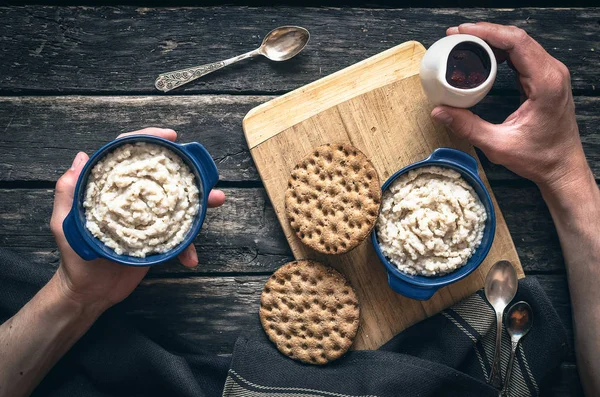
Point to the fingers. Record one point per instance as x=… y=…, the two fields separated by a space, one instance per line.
x=526 y=54
x=216 y=198
x=65 y=188
x=464 y=124
x=166 y=133
x=63 y=195
x=188 y=257
x=452 y=30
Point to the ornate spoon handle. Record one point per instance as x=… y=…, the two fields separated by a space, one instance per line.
x=170 y=80
x=496 y=374
x=509 y=368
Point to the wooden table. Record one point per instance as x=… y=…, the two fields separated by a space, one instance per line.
x=73 y=78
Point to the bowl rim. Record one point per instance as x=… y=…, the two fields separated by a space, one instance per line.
x=98 y=246
x=482 y=251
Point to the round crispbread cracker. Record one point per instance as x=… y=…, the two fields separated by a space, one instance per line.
x=333 y=198
x=310 y=311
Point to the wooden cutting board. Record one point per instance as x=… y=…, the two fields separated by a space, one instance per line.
x=377 y=105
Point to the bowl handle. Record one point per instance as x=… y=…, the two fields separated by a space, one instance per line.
x=409 y=290
x=455 y=156
x=75 y=239
x=209 y=168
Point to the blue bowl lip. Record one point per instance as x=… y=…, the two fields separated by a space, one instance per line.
x=129 y=260
x=437 y=282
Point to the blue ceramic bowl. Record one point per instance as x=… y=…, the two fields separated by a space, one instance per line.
x=421 y=287
x=89 y=247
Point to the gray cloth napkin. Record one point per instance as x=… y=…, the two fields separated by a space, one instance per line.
x=448 y=354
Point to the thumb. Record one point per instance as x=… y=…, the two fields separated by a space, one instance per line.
x=65 y=188
x=464 y=124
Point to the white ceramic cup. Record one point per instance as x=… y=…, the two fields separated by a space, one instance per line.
x=433 y=74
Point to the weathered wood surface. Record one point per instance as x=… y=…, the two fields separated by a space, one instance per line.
x=102 y=49
x=241 y=236
x=232 y=241
x=214 y=311
x=244 y=238
x=244 y=235
x=40 y=135
x=51 y=51
x=311 y=3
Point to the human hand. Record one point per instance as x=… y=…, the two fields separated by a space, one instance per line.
x=101 y=283
x=540 y=141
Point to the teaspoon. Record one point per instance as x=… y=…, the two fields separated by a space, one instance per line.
x=279 y=44
x=500 y=288
x=519 y=320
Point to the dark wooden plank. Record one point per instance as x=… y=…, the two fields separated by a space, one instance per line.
x=122 y=49
x=41 y=135
x=241 y=236
x=310 y=3
x=531 y=228
x=244 y=235
x=215 y=311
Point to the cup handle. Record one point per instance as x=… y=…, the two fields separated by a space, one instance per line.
x=455 y=156
x=410 y=291
x=75 y=239
x=209 y=168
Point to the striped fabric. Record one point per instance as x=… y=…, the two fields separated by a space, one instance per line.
x=237 y=386
x=446 y=355
x=449 y=354
x=477 y=320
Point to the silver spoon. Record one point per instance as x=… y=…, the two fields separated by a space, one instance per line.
x=279 y=44
x=500 y=288
x=519 y=320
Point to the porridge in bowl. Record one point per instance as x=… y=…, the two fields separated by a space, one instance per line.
x=431 y=221
x=141 y=199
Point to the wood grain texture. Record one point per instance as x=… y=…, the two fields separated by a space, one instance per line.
x=216 y=310
x=244 y=235
x=269 y=119
x=213 y=312
x=392 y=126
x=118 y=51
x=39 y=136
x=310 y=3
x=123 y=49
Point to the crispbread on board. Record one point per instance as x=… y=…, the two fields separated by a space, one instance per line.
x=379 y=105
x=333 y=198
x=309 y=311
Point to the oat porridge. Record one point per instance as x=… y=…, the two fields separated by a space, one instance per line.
x=141 y=199
x=431 y=221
